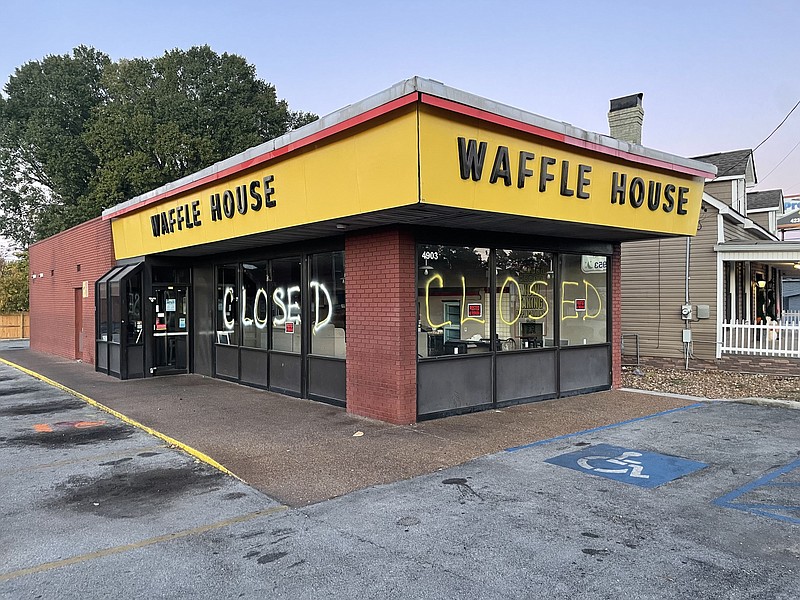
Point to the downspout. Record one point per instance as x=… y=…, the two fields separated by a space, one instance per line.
x=688 y=321
x=720 y=311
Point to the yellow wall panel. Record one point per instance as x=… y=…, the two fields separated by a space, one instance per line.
x=370 y=169
x=442 y=182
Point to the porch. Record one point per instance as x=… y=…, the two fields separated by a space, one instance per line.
x=752 y=321
x=779 y=338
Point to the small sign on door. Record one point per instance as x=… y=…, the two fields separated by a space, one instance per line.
x=289 y=327
x=170 y=305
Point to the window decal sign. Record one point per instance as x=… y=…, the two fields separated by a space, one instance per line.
x=475 y=310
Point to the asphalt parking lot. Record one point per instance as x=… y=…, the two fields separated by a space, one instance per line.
x=701 y=501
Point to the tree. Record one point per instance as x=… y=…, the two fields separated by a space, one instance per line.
x=81 y=133
x=45 y=164
x=14 y=285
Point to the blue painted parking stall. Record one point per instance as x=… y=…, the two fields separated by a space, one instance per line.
x=775 y=495
x=636 y=467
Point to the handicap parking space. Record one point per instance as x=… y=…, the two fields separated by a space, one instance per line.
x=645 y=469
x=775 y=495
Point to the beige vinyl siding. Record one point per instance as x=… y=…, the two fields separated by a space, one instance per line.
x=734 y=232
x=721 y=190
x=761 y=218
x=653 y=278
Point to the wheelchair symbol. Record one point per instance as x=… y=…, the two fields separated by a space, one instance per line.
x=633 y=468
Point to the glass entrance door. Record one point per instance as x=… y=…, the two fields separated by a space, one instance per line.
x=170 y=329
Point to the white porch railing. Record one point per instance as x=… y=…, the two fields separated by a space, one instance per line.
x=777 y=338
x=790 y=317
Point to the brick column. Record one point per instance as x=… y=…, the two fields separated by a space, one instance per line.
x=381 y=301
x=616 y=316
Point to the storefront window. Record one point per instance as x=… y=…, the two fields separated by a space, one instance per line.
x=116 y=311
x=133 y=303
x=452 y=300
x=227 y=306
x=524 y=299
x=286 y=302
x=102 y=305
x=327 y=297
x=255 y=305
x=583 y=299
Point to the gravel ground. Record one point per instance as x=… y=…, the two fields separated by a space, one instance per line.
x=712 y=384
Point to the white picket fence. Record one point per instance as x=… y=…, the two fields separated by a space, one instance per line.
x=778 y=338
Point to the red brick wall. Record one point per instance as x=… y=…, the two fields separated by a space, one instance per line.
x=616 y=317
x=381 y=326
x=52 y=299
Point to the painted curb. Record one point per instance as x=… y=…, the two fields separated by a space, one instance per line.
x=125 y=419
x=773 y=402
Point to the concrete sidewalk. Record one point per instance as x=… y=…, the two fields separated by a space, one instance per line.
x=301 y=452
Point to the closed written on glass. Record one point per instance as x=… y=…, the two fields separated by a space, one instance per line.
x=227 y=306
x=452 y=300
x=286 y=302
x=327 y=299
x=539 y=300
x=584 y=281
x=255 y=301
x=525 y=281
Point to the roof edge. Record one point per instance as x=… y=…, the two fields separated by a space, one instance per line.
x=409 y=88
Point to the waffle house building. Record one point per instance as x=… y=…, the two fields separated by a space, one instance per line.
x=420 y=253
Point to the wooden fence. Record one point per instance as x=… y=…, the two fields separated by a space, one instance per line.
x=15 y=326
x=773 y=339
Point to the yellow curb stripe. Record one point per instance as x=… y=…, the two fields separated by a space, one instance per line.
x=172 y=441
x=142 y=544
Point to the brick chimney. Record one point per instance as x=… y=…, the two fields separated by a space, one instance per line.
x=625 y=118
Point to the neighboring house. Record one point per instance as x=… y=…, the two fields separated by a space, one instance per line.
x=688 y=299
x=765 y=208
x=791 y=296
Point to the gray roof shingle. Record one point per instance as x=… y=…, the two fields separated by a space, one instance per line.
x=765 y=199
x=728 y=163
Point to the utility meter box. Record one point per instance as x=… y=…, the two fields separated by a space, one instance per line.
x=686 y=311
x=687 y=336
x=703 y=311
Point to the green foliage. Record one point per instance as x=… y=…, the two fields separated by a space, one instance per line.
x=81 y=133
x=14 y=285
x=45 y=164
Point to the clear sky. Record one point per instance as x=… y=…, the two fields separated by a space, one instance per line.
x=716 y=75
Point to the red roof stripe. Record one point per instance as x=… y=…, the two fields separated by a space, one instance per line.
x=559 y=137
x=267 y=156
